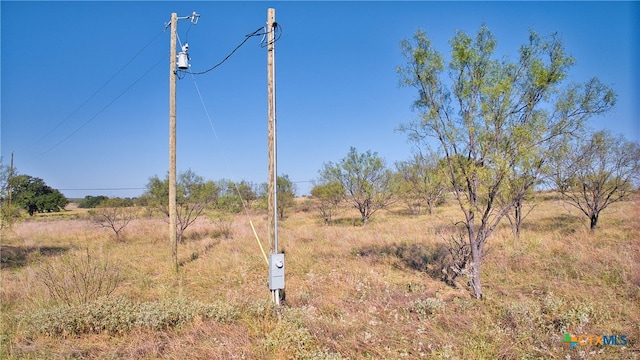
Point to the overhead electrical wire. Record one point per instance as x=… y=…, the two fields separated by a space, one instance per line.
x=106 y=107
x=206 y=111
x=94 y=93
x=244 y=206
x=246 y=38
x=262 y=44
x=276 y=29
x=277 y=33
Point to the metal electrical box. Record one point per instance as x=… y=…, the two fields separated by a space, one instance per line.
x=276 y=271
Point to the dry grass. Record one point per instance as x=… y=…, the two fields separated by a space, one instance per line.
x=340 y=303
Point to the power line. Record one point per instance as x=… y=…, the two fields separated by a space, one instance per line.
x=246 y=38
x=95 y=92
x=106 y=107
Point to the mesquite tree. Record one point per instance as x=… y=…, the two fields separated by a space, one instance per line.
x=421 y=182
x=365 y=179
x=193 y=196
x=596 y=172
x=328 y=196
x=114 y=214
x=492 y=117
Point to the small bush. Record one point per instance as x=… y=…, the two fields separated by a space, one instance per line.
x=427 y=307
x=120 y=315
x=78 y=279
x=290 y=338
x=103 y=315
x=222 y=227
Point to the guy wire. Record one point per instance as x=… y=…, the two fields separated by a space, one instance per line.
x=244 y=205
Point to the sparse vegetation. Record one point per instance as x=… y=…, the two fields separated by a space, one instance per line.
x=495 y=122
x=376 y=291
x=78 y=278
x=120 y=316
x=597 y=171
x=114 y=214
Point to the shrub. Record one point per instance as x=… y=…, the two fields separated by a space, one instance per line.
x=78 y=279
x=222 y=226
x=427 y=307
x=119 y=315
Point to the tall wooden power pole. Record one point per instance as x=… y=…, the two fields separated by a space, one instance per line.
x=271 y=92
x=9 y=181
x=173 y=223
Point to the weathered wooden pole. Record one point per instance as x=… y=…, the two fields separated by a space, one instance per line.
x=172 y=144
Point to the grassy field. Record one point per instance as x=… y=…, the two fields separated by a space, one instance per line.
x=352 y=292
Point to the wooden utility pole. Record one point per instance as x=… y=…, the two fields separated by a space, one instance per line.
x=271 y=92
x=9 y=188
x=172 y=144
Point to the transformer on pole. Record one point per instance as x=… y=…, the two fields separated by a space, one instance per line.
x=182 y=64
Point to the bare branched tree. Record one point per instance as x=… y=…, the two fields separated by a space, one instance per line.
x=114 y=214
x=596 y=172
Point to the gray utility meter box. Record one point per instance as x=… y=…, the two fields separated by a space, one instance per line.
x=276 y=271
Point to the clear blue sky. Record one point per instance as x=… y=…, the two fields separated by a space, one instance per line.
x=335 y=80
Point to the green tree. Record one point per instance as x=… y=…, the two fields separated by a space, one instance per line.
x=494 y=117
x=90 y=202
x=421 y=182
x=365 y=179
x=529 y=172
x=286 y=191
x=192 y=197
x=234 y=197
x=596 y=172
x=9 y=211
x=229 y=198
x=34 y=195
x=328 y=196
x=247 y=193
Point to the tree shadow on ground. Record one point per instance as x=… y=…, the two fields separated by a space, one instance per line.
x=13 y=257
x=564 y=224
x=428 y=259
x=208 y=245
x=347 y=221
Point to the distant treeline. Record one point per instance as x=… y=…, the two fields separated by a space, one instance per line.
x=90 y=202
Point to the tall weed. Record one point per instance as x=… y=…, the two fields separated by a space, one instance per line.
x=79 y=278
